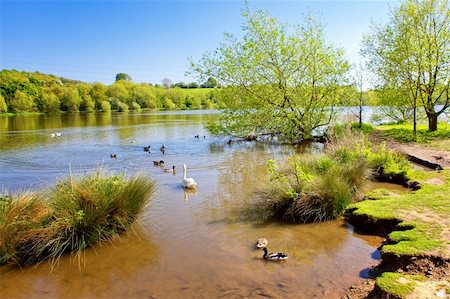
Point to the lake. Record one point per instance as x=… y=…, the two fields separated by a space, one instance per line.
x=190 y=245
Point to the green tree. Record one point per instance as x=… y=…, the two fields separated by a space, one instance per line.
x=105 y=106
x=49 y=102
x=98 y=94
x=71 y=100
x=275 y=81
x=210 y=83
x=21 y=102
x=3 y=107
x=411 y=53
x=123 y=76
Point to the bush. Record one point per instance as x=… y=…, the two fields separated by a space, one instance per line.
x=80 y=211
x=388 y=166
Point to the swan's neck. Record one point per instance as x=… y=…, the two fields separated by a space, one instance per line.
x=184 y=171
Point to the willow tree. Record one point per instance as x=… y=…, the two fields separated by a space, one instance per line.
x=275 y=80
x=411 y=53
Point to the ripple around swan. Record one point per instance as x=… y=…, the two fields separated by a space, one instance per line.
x=193 y=243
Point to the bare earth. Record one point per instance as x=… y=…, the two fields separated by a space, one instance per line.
x=414 y=149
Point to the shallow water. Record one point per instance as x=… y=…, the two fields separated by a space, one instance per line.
x=192 y=245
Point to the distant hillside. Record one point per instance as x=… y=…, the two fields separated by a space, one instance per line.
x=36 y=92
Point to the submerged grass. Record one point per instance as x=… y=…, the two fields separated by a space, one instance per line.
x=83 y=210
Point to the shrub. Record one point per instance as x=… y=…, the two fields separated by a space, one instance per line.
x=122 y=107
x=388 y=166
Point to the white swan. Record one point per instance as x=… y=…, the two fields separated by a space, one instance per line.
x=187 y=182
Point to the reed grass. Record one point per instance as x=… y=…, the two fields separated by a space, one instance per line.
x=319 y=188
x=84 y=209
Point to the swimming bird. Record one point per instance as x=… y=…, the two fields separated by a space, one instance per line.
x=158 y=163
x=187 y=182
x=147 y=148
x=170 y=169
x=262 y=242
x=53 y=135
x=196 y=136
x=113 y=156
x=162 y=149
x=274 y=256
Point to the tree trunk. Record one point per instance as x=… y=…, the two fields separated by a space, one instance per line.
x=432 y=121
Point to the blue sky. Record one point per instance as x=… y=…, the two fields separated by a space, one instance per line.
x=150 y=40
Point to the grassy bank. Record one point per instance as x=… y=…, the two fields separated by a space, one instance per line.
x=423 y=231
x=439 y=139
x=75 y=213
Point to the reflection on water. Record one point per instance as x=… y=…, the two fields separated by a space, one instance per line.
x=195 y=245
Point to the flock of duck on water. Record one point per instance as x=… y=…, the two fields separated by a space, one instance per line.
x=189 y=183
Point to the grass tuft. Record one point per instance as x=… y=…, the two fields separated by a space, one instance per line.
x=84 y=210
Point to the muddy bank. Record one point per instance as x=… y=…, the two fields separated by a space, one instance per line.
x=430 y=265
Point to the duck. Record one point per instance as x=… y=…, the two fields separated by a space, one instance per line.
x=113 y=156
x=147 y=148
x=197 y=136
x=261 y=243
x=53 y=135
x=187 y=182
x=274 y=256
x=162 y=149
x=170 y=169
x=158 y=163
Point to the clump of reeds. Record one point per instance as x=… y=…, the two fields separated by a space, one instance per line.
x=19 y=214
x=84 y=210
x=313 y=188
x=319 y=188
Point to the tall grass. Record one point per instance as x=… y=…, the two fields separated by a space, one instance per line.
x=313 y=188
x=319 y=188
x=85 y=209
x=20 y=214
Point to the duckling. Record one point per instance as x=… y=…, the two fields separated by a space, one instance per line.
x=147 y=148
x=170 y=169
x=113 y=156
x=162 y=149
x=275 y=256
x=158 y=163
x=261 y=243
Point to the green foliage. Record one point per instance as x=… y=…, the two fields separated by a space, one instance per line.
x=135 y=106
x=123 y=76
x=21 y=102
x=71 y=100
x=122 y=107
x=105 y=106
x=409 y=56
x=388 y=166
x=398 y=284
x=3 y=107
x=78 y=212
x=276 y=81
x=26 y=92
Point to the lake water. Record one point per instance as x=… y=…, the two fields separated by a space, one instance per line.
x=191 y=245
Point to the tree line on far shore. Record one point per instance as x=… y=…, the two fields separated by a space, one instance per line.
x=37 y=92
